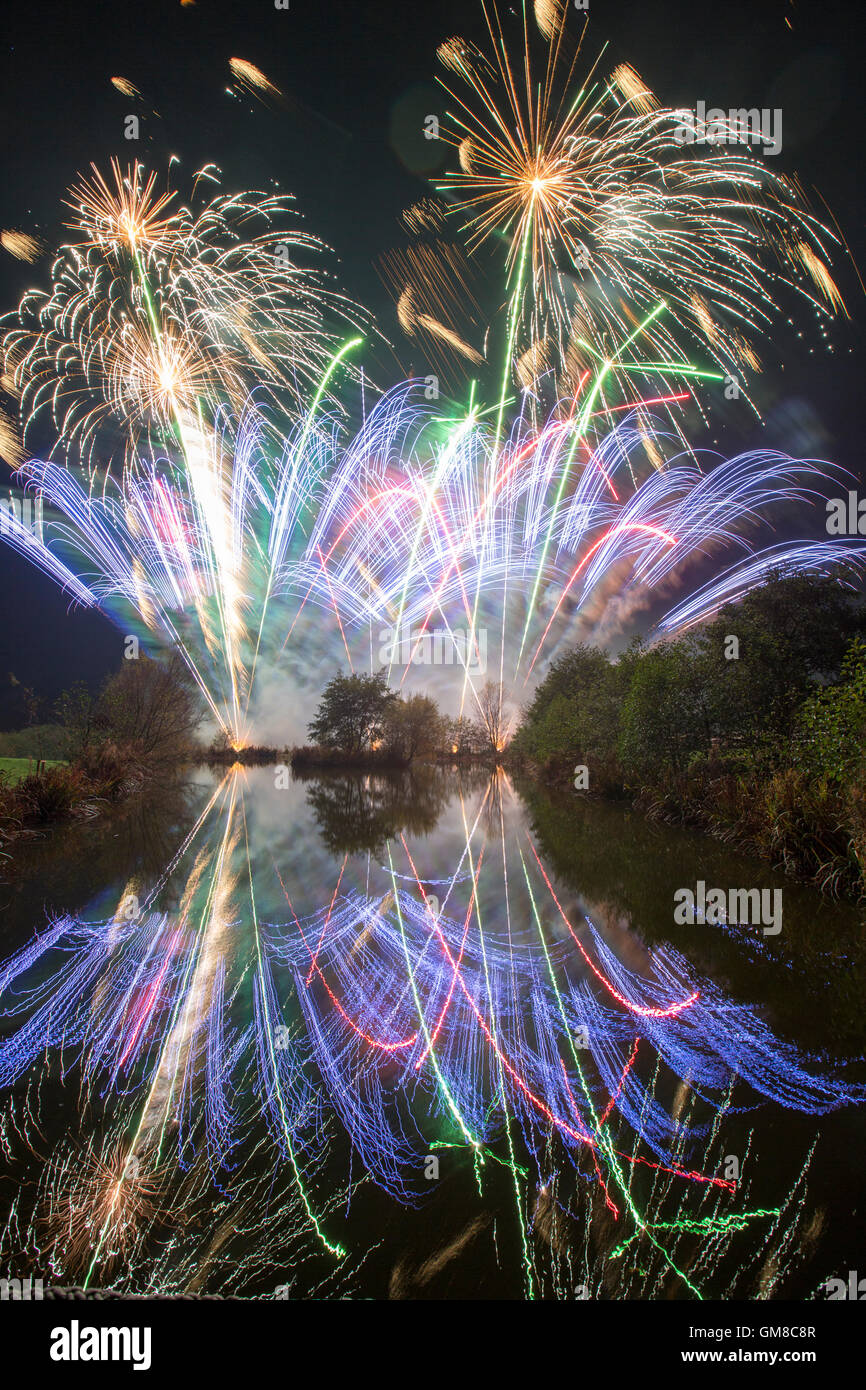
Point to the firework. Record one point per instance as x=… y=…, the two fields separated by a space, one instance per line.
x=160 y=313
x=10 y=444
x=125 y=87
x=21 y=245
x=252 y=78
x=238 y=557
x=547 y=533
x=248 y=519
x=603 y=210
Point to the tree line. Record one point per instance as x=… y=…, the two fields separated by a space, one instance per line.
x=360 y=718
x=143 y=720
x=753 y=725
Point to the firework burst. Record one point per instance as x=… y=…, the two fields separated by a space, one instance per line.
x=158 y=308
x=239 y=556
x=603 y=210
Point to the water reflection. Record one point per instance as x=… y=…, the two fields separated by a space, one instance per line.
x=341 y=1005
x=356 y=814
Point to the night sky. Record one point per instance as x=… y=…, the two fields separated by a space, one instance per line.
x=347 y=143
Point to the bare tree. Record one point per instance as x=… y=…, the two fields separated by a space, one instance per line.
x=150 y=710
x=462 y=737
x=491 y=716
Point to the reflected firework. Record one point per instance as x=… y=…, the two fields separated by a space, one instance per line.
x=219 y=1044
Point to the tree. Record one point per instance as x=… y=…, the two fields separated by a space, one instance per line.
x=351 y=713
x=412 y=726
x=28 y=700
x=575 y=710
x=554 y=732
x=151 y=709
x=491 y=717
x=793 y=633
x=460 y=737
x=662 y=716
x=76 y=711
x=832 y=723
x=148 y=711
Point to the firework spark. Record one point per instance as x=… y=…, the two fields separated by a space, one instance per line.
x=604 y=210
x=21 y=245
x=252 y=78
x=150 y=289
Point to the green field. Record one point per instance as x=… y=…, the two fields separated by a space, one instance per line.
x=13 y=769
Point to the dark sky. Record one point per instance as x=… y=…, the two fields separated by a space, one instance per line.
x=350 y=73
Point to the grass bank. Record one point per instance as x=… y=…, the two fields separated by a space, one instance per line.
x=62 y=791
x=14 y=770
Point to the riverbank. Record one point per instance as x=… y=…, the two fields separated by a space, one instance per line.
x=335 y=760
x=806 y=828
x=14 y=770
x=751 y=728
x=63 y=792
x=256 y=755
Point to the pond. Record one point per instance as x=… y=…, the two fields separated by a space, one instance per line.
x=432 y=1035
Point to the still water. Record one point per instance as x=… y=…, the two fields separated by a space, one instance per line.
x=426 y=1036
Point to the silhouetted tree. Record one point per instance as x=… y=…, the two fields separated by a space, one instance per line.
x=351 y=712
x=412 y=727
